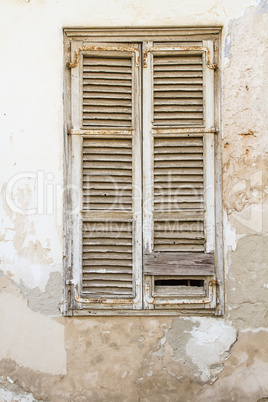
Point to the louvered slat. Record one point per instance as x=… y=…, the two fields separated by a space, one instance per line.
x=178 y=173
x=107 y=91
x=178 y=186
x=178 y=90
x=107 y=258
x=183 y=236
x=107 y=174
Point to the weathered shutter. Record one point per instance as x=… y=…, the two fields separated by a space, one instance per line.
x=178 y=267
x=178 y=188
x=110 y=243
x=178 y=90
x=107 y=91
x=107 y=245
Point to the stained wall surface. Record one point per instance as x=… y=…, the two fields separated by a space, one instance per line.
x=44 y=355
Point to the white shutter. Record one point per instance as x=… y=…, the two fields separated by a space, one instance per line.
x=107 y=258
x=107 y=245
x=110 y=242
x=107 y=174
x=107 y=91
x=178 y=90
x=178 y=186
x=176 y=263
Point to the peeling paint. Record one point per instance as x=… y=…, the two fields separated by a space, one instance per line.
x=209 y=345
x=262 y=6
x=227 y=47
x=203 y=344
x=246 y=294
x=47 y=302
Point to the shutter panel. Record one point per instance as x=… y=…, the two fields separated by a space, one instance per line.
x=178 y=186
x=110 y=244
x=178 y=90
x=107 y=174
x=107 y=258
x=107 y=91
x=107 y=246
x=176 y=262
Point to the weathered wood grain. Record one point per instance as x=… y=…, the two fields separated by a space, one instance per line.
x=179 y=264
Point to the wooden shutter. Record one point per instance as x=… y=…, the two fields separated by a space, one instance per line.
x=107 y=174
x=178 y=89
x=110 y=242
x=177 y=264
x=172 y=110
x=178 y=188
x=107 y=245
x=107 y=258
x=107 y=91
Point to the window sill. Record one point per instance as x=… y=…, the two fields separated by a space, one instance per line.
x=146 y=313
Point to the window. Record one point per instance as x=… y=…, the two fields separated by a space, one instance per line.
x=143 y=227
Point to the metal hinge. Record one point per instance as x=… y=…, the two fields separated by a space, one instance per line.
x=69 y=282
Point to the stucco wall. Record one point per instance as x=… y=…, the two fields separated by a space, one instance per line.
x=46 y=356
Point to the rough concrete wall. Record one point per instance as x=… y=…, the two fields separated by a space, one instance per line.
x=46 y=356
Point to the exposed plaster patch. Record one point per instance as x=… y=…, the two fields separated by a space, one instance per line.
x=255 y=330
x=32 y=262
x=7 y=286
x=230 y=239
x=27 y=253
x=10 y=392
x=47 y=302
x=251 y=220
x=244 y=375
x=26 y=381
x=115 y=347
x=179 y=335
x=246 y=294
x=246 y=193
x=262 y=6
x=242 y=182
x=227 y=47
x=209 y=345
x=31 y=339
x=32 y=275
x=201 y=344
x=243 y=78
x=31 y=250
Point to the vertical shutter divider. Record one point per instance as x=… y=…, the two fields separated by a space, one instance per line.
x=148 y=227
x=209 y=154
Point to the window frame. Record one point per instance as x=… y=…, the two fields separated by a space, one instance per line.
x=122 y=36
